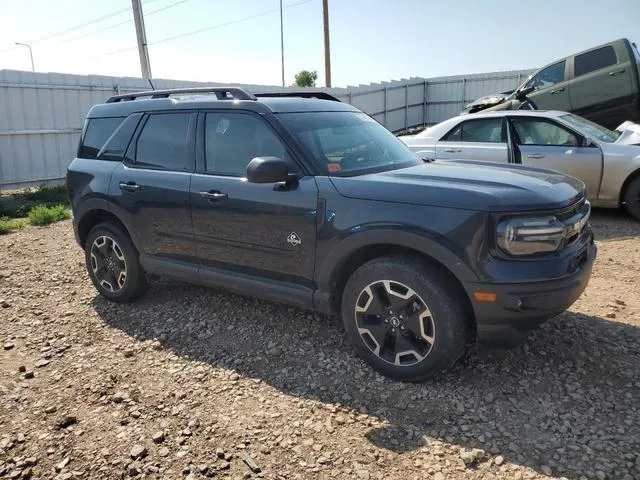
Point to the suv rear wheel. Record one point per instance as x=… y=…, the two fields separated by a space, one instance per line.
x=112 y=263
x=404 y=318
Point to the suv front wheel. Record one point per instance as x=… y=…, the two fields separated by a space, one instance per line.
x=403 y=317
x=112 y=263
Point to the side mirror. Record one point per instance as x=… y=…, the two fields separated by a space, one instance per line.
x=267 y=170
x=522 y=94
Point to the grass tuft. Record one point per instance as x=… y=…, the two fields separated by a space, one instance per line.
x=51 y=195
x=44 y=215
x=8 y=225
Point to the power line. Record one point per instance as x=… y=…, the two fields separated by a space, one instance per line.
x=195 y=32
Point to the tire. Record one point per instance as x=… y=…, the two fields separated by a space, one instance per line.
x=429 y=299
x=632 y=198
x=113 y=263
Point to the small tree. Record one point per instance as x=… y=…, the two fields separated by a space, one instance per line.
x=306 y=78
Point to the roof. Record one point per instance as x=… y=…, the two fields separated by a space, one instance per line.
x=190 y=99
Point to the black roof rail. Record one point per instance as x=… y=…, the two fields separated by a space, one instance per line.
x=222 y=93
x=319 y=95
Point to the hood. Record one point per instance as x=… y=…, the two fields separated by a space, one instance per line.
x=469 y=185
x=629 y=134
x=486 y=102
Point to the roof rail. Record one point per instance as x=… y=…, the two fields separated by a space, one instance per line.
x=222 y=93
x=320 y=95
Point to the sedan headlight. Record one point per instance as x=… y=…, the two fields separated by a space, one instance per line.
x=530 y=235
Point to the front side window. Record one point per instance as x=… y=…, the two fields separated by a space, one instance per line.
x=595 y=60
x=533 y=131
x=548 y=77
x=163 y=142
x=96 y=133
x=588 y=128
x=348 y=143
x=232 y=140
x=488 y=130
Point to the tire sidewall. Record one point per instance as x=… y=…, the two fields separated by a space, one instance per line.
x=447 y=315
x=134 y=271
x=631 y=198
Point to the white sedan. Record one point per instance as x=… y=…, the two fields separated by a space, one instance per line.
x=606 y=161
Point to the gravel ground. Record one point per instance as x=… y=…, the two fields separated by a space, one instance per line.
x=194 y=383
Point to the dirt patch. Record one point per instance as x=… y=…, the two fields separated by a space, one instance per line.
x=194 y=383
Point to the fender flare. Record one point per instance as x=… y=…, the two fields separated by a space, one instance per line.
x=90 y=205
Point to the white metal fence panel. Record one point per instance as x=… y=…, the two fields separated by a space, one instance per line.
x=41 y=114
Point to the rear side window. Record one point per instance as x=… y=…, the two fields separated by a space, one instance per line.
x=116 y=145
x=595 y=60
x=489 y=131
x=96 y=134
x=163 y=142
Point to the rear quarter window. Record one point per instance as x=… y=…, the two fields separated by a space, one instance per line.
x=96 y=133
x=595 y=60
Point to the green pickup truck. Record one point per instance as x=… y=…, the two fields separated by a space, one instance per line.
x=600 y=84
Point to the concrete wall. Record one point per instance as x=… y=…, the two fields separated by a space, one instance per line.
x=41 y=114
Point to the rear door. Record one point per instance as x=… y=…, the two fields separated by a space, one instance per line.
x=551 y=88
x=544 y=143
x=251 y=228
x=602 y=81
x=477 y=139
x=151 y=187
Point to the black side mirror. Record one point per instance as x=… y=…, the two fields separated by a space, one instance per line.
x=522 y=94
x=267 y=170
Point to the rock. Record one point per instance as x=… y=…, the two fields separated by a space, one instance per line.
x=274 y=352
x=499 y=460
x=619 y=302
x=28 y=375
x=546 y=469
x=41 y=362
x=50 y=409
x=203 y=468
x=219 y=453
x=4 y=303
x=134 y=469
x=489 y=398
x=128 y=353
x=234 y=377
x=265 y=450
x=224 y=465
x=438 y=476
x=60 y=466
x=105 y=452
x=466 y=456
x=191 y=476
x=600 y=475
x=30 y=461
x=611 y=315
x=163 y=452
x=66 y=421
x=8 y=345
x=22 y=369
x=158 y=437
x=363 y=474
x=138 y=451
x=246 y=458
x=118 y=397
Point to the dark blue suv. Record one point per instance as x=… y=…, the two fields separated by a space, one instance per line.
x=311 y=202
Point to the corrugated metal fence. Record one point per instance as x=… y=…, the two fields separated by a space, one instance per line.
x=41 y=114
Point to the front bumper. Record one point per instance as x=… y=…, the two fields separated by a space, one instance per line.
x=520 y=307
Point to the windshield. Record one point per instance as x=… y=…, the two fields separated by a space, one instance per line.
x=348 y=143
x=590 y=129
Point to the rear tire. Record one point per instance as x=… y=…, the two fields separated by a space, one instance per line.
x=404 y=317
x=632 y=198
x=113 y=263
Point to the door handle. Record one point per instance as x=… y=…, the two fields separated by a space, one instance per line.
x=214 y=196
x=616 y=72
x=535 y=155
x=453 y=150
x=557 y=90
x=129 y=186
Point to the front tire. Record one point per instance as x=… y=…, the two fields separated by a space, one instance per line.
x=404 y=317
x=632 y=198
x=112 y=263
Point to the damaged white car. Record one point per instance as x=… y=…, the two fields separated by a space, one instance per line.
x=607 y=161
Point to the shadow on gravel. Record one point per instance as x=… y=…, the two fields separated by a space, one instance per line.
x=567 y=399
x=611 y=224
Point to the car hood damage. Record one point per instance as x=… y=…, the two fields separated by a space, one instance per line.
x=629 y=134
x=470 y=185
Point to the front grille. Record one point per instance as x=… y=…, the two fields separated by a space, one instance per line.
x=575 y=219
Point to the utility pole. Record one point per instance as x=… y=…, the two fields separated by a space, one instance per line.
x=327 y=53
x=138 y=17
x=33 y=68
x=282 y=41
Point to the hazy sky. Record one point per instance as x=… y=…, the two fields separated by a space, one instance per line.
x=371 y=40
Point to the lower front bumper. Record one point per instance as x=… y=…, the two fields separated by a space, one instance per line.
x=518 y=308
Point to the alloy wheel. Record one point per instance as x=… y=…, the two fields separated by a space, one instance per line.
x=108 y=263
x=395 y=322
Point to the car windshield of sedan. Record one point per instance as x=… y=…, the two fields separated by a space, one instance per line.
x=348 y=143
x=587 y=127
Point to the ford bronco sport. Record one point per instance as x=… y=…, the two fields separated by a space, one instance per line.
x=311 y=202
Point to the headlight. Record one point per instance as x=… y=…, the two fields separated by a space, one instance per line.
x=526 y=236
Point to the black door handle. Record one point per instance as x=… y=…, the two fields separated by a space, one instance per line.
x=214 y=195
x=557 y=90
x=130 y=186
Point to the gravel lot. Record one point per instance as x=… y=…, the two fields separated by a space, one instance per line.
x=188 y=382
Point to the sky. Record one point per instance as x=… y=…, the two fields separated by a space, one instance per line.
x=238 y=41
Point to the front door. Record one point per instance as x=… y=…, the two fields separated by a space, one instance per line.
x=551 y=89
x=151 y=187
x=256 y=229
x=544 y=143
x=480 y=139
